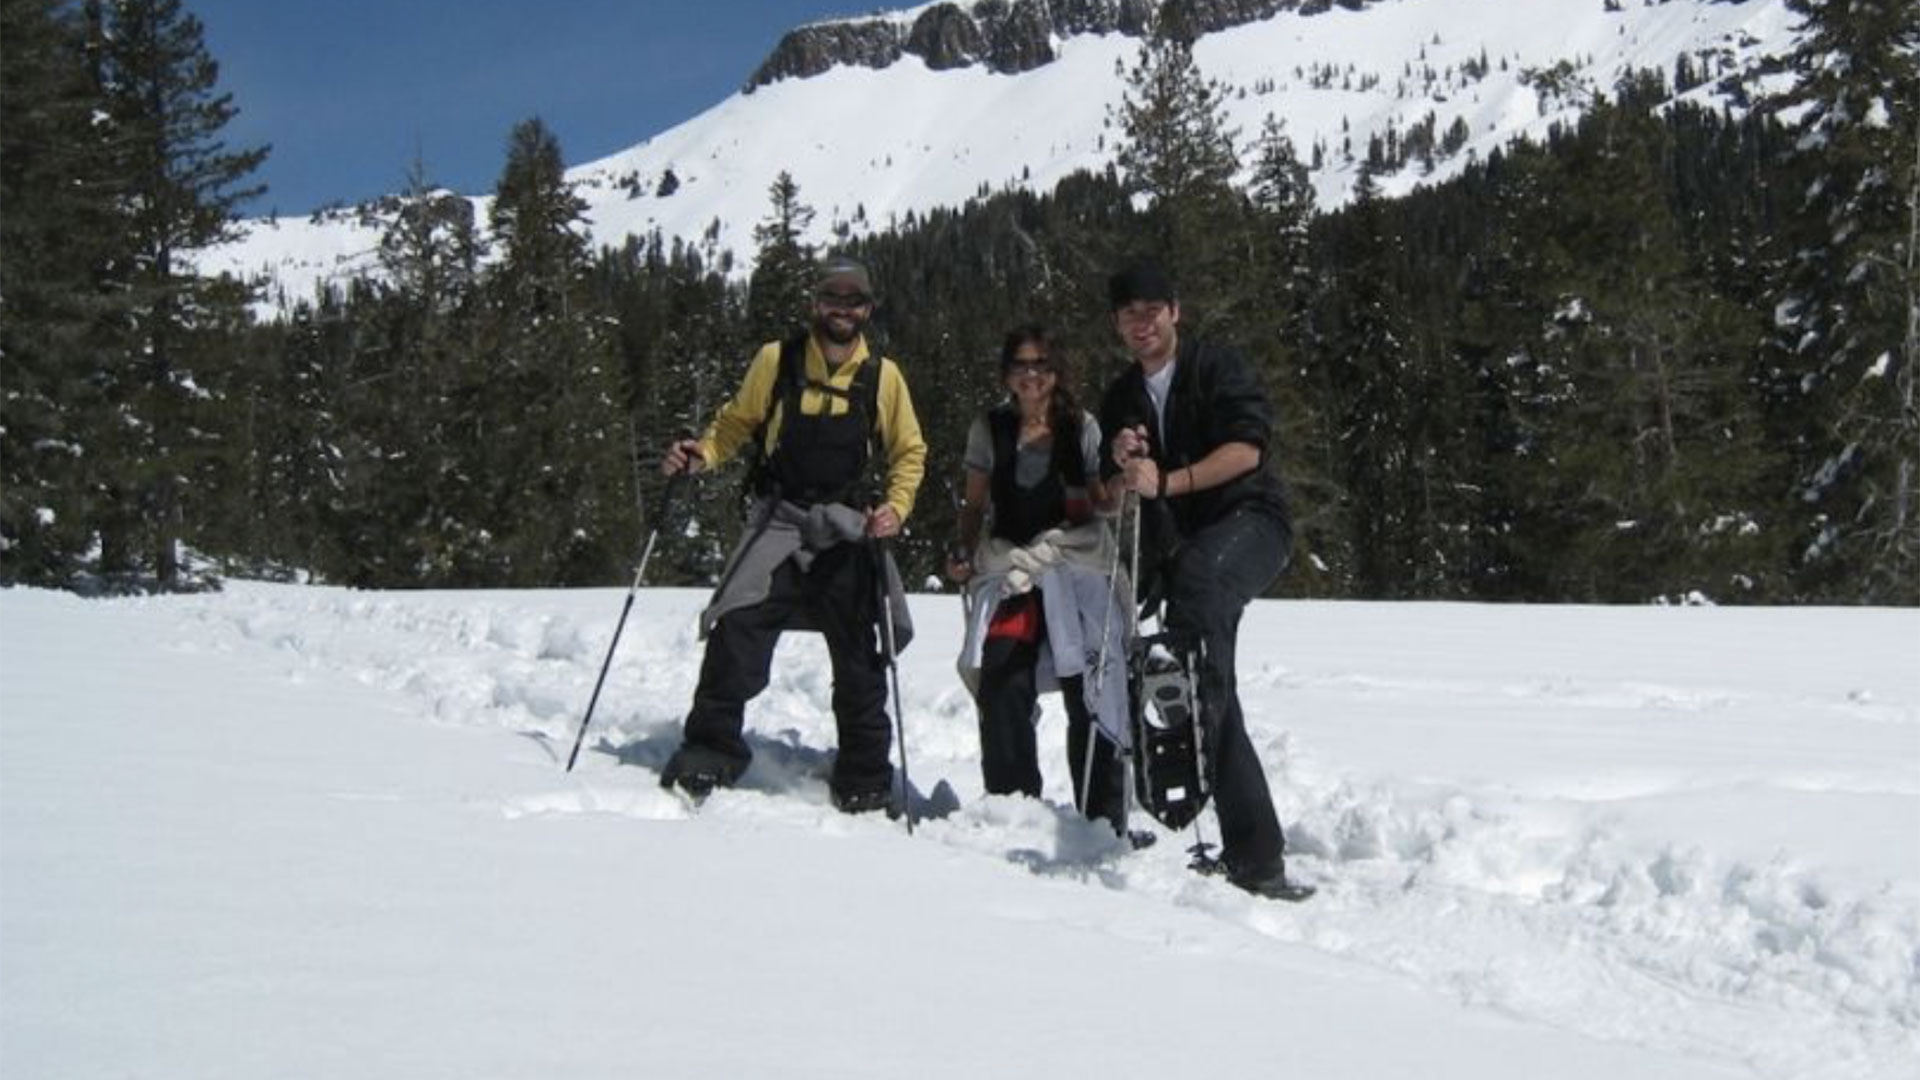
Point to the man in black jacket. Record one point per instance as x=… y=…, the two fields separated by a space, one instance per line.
x=1188 y=428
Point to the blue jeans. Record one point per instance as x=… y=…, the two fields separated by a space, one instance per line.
x=1215 y=573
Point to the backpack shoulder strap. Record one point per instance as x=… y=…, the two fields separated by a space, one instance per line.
x=865 y=391
x=1003 y=425
x=791 y=379
x=793 y=366
x=788 y=380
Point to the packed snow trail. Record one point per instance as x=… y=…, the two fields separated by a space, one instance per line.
x=1688 y=831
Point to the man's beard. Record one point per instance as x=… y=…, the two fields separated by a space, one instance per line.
x=830 y=329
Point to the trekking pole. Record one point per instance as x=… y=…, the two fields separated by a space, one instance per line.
x=674 y=483
x=882 y=557
x=1133 y=642
x=959 y=552
x=1202 y=859
x=1127 y=502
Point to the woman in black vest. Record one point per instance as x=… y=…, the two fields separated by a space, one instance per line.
x=1042 y=600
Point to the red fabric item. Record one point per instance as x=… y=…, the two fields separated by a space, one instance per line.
x=1018 y=618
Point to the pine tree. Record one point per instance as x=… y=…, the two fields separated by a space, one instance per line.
x=681 y=344
x=1178 y=161
x=779 y=292
x=431 y=251
x=546 y=408
x=59 y=229
x=1846 y=310
x=163 y=116
x=300 y=436
x=1372 y=382
x=1283 y=209
x=1515 y=550
x=425 y=328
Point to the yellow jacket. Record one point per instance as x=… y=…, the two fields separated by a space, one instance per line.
x=758 y=398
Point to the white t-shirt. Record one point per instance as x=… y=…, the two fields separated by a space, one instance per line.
x=1159 y=386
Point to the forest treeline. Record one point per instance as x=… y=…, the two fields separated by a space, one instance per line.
x=1665 y=353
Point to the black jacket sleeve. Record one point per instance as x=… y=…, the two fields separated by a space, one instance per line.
x=1232 y=405
x=1123 y=405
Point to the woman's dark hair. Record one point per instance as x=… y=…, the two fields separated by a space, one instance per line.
x=1063 y=410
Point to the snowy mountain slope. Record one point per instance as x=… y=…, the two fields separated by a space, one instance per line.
x=304 y=832
x=869 y=146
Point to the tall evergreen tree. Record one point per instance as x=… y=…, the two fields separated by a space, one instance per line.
x=431 y=250
x=1846 y=310
x=546 y=408
x=1507 y=296
x=1178 y=161
x=779 y=291
x=60 y=227
x=425 y=330
x=681 y=330
x=1371 y=384
x=1282 y=197
x=300 y=433
x=163 y=117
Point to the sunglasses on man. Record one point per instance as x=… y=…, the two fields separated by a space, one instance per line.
x=843 y=301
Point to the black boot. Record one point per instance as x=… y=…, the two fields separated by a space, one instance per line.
x=863 y=801
x=697 y=770
x=1271 y=883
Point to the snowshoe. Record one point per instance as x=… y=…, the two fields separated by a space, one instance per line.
x=1269 y=884
x=1169 y=772
x=1272 y=886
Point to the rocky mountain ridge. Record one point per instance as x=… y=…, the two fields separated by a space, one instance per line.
x=1005 y=37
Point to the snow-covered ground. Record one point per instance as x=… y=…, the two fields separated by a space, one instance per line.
x=284 y=831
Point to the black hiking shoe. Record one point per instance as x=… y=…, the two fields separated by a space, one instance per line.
x=697 y=771
x=1271 y=884
x=695 y=785
x=863 y=802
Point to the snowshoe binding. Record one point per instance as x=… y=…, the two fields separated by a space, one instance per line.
x=1271 y=883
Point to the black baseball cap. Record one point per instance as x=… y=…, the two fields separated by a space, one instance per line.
x=1140 y=281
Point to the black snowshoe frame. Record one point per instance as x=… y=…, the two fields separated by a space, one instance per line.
x=1170 y=774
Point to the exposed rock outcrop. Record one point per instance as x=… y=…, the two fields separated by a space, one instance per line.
x=945 y=36
x=1019 y=36
x=810 y=50
x=1005 y=35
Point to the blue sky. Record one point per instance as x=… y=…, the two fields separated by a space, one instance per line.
x=350 y=92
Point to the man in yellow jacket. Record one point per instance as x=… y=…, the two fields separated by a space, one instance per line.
x=814 y=411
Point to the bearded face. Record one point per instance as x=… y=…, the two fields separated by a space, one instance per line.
x=839 y=316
